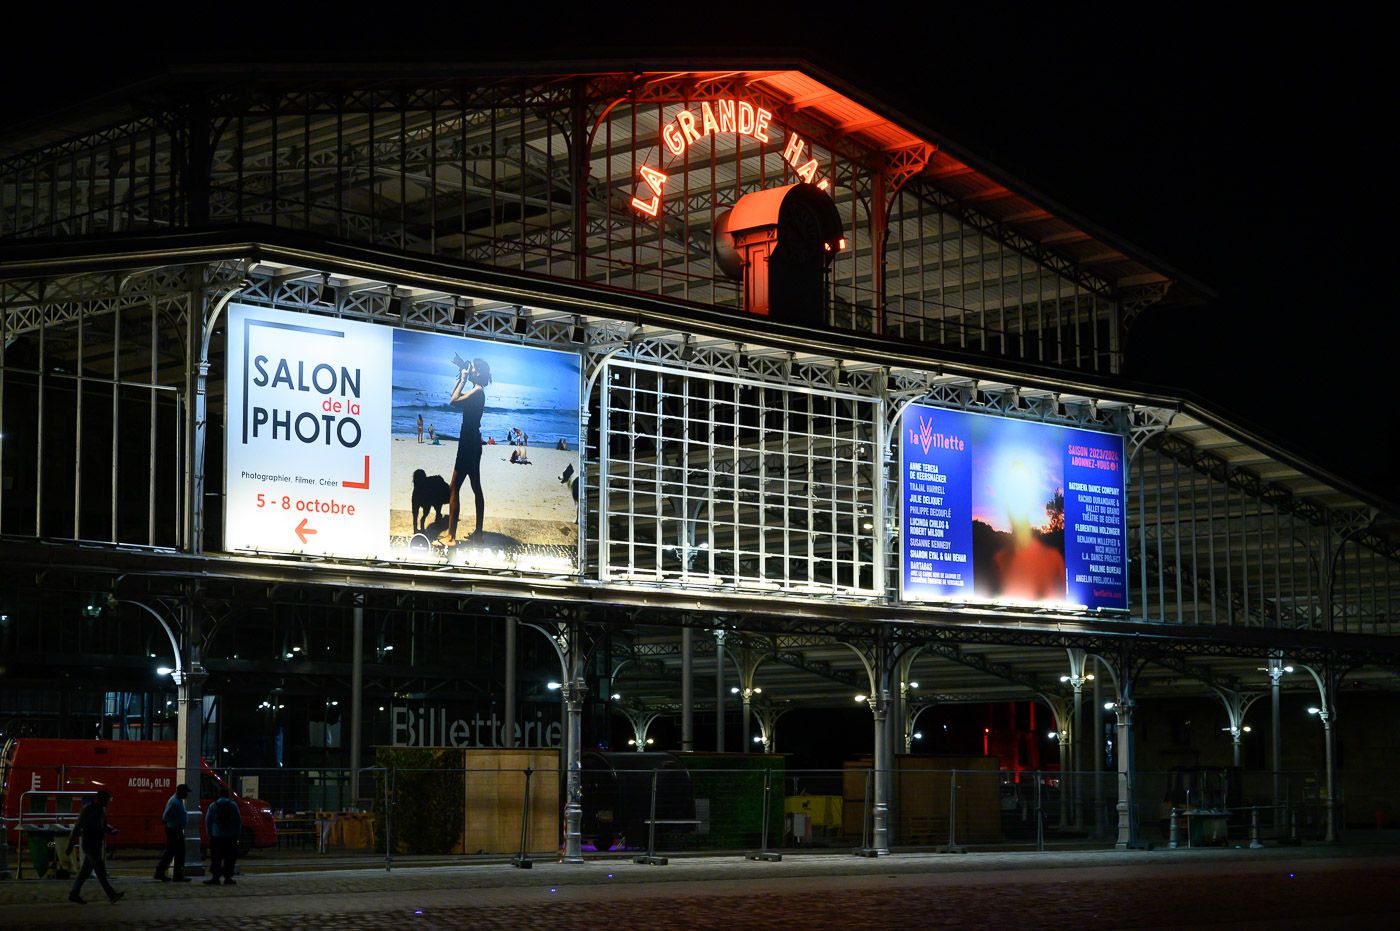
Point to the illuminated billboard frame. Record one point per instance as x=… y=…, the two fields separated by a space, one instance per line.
x=360 y=441
x=1009 y=511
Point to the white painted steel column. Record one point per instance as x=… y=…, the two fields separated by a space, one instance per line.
x=719 y=691
x=574 y=691
x=1330 y=804
x=508 y=737
x=357 y=680
x=747 y=696
x=189 y=685
x=1275 y=673
x=1097 y=739
x=894 y=735
x=879 y=815
x=1127 y=835
x=1326 y=711
x=1077 y=728
x=687 y=690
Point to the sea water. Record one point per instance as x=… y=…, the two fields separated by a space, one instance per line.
x=507 y=407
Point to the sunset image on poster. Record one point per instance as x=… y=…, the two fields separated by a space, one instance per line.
x=1018 y=510
x=1011 y=511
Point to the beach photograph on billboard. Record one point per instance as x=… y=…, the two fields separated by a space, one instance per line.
x=1010 y=511
x=353 y=440
x=485 y=451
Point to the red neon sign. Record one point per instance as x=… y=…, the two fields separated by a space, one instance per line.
x=721 y=116
x=656 y=181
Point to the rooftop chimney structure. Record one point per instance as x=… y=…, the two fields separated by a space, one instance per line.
x=780 y=243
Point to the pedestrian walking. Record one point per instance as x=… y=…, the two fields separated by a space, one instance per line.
x=92 y=829
x=175 y=819
x=225 y=823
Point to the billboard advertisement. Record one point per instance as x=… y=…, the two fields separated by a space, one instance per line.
x=1010 y=511
x=353 y=440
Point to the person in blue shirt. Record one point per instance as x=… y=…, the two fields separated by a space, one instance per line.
x=224 y=825
x=175 y=819
x=92 y=829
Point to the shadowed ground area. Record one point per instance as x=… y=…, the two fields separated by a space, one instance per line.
x=1358 y=887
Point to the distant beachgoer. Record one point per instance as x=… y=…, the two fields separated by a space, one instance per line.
x=562 y=444
x=420 y=428
x=517 y=458
x=491 y=441
x=469 y=442
x=431 y=439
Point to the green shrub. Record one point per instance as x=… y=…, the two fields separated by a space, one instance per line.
x=427 y=796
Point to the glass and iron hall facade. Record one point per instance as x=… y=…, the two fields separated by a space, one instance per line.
x=737 y=473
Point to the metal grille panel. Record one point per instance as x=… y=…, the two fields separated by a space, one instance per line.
x=725 y=482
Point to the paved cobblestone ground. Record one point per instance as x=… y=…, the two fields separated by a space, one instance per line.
x=1273 y=888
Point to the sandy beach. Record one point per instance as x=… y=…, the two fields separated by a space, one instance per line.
x=527 y=507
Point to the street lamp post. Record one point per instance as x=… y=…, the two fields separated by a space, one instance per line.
x=1077 y=677
x=1326 y=712
x=1276 y=670
x=574 y=692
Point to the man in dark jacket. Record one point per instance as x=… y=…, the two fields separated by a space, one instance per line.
x=224 y=824
x=92 y=829
x=175 y=819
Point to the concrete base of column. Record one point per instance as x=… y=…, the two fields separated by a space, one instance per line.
x=194 y=865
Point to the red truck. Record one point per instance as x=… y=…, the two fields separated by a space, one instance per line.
x=139 y=775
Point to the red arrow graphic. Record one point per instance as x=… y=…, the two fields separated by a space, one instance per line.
x=302 y=530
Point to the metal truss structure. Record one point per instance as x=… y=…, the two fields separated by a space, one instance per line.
x=536 y=174
x=716 y=450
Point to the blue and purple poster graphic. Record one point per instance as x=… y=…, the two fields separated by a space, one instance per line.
x=1010 y=510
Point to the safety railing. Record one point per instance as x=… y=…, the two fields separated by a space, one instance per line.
x=662 y=805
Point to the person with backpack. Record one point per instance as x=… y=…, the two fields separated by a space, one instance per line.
x=225 y=823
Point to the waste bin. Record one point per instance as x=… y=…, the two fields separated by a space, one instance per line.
x=40 y=842
x=1207 y=827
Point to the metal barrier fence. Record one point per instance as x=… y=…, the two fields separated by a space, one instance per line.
x=678 y=805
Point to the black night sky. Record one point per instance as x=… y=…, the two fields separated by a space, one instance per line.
x=1243 y=150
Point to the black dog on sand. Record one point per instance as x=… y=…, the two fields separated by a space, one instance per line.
x=567 y=477
x=429 y=491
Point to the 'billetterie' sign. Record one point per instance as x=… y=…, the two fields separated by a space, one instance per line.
x=709 y=118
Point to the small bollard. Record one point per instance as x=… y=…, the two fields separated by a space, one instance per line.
x=1254 y=830
x=1293 y=826
x=1172 y=842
